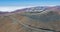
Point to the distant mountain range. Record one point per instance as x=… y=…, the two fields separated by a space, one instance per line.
x=38 y=9
x=35 y=9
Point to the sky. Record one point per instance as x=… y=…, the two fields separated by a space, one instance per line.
x=11 y=5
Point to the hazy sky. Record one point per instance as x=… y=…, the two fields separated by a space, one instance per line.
x=25 y=3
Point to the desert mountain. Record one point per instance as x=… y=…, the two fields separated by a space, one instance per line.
x=22 y=20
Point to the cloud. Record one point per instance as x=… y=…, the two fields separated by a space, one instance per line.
x=12 y=8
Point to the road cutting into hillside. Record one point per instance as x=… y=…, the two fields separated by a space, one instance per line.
x=28 y=26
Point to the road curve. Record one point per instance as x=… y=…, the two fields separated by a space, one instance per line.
x=28 y=26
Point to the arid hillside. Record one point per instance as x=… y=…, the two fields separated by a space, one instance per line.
x=43 y=21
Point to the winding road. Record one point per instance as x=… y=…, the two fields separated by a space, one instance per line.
x=29 y=26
